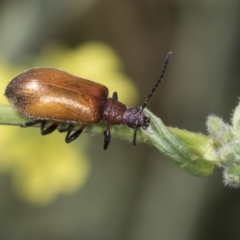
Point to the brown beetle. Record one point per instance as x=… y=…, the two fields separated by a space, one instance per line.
x=48 y=94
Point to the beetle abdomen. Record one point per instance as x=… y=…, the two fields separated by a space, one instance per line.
x=52 y=94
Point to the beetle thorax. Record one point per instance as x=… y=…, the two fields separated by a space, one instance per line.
x=135 y=118
x=113 y=112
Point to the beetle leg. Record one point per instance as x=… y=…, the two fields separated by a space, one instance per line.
x=69 y=128
x=70 y=137
x=115 y=96
x=49 y=129
x=135 y=136
x=107 y=137
x=43 y=131
x=29 y=124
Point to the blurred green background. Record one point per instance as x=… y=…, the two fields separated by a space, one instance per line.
x=51 y=190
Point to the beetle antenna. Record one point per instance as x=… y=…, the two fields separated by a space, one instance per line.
x=159 y=80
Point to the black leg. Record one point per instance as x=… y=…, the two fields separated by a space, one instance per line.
x=107 y=137
x=49 y=129
x=29 y=124
x=43 y=131
x=69 y=128
x=115 y=96
x=71 y=137
x=135 y=137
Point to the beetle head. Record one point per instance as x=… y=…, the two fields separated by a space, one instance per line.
x=135 y=118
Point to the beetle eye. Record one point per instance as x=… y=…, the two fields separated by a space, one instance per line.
x=134 y=110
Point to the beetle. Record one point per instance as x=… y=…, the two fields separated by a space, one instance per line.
x=48 y=94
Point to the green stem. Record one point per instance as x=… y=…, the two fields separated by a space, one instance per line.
x=192 y=152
